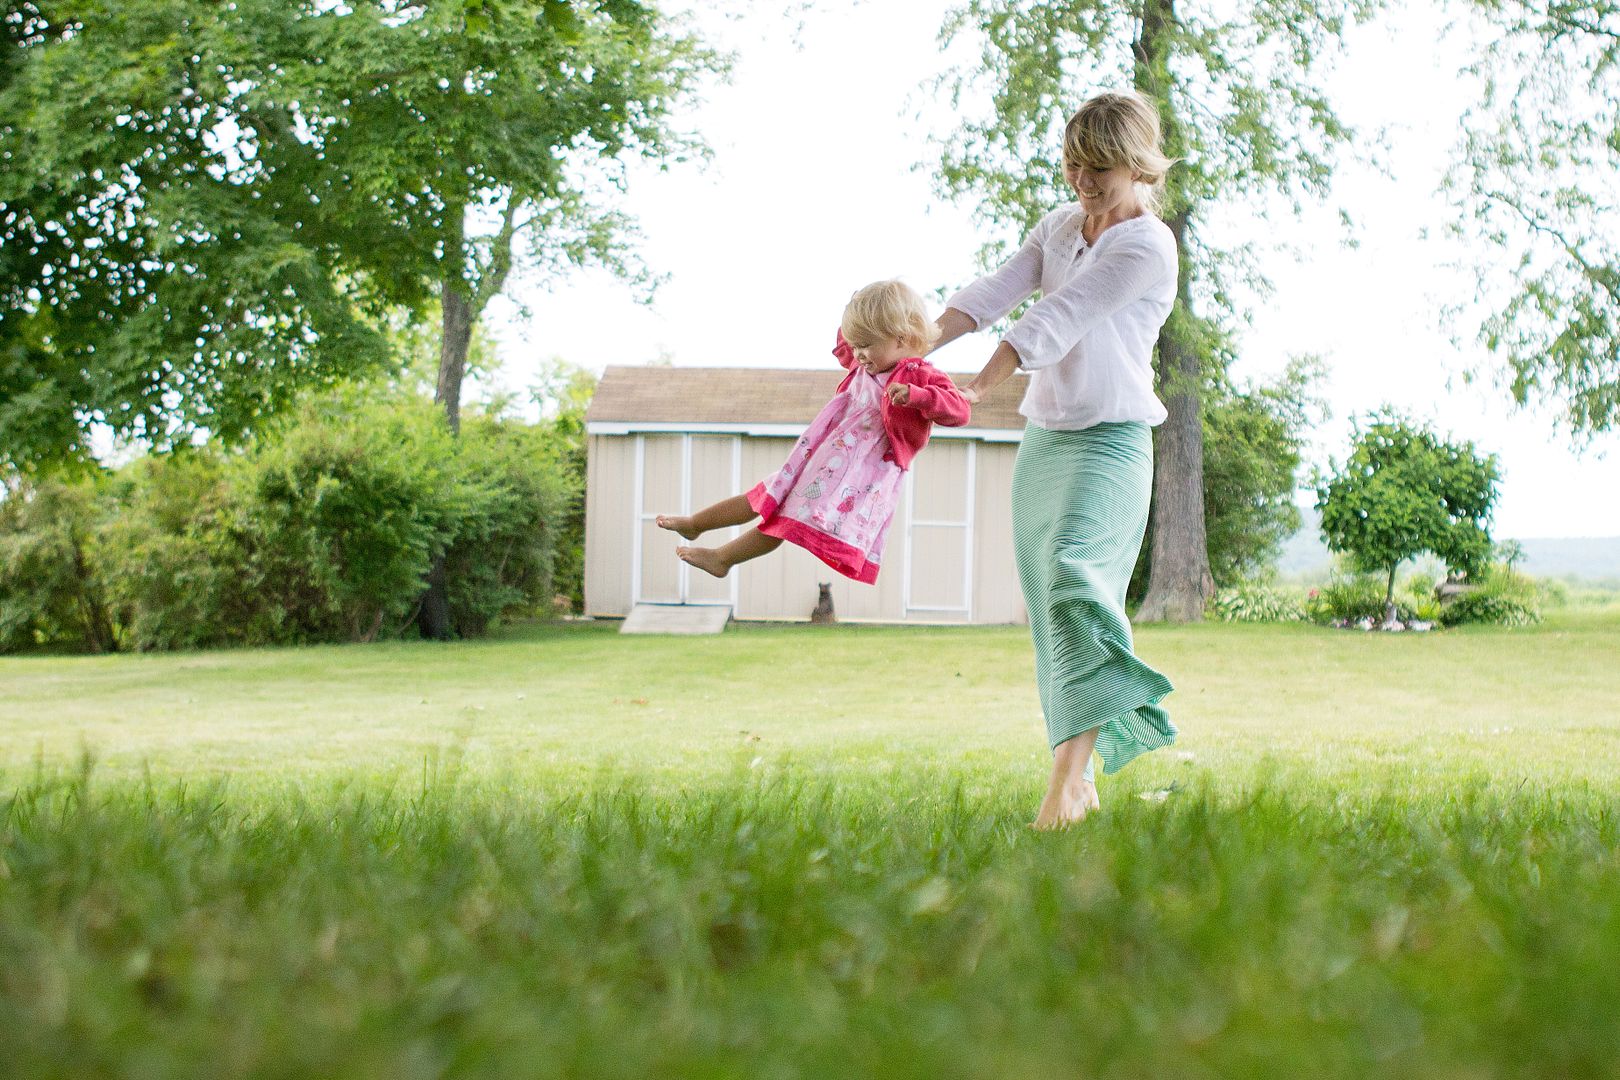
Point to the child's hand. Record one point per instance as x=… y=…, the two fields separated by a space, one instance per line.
x=899 y=393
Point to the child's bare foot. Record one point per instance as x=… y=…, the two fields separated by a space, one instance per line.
x=706 y=559
x=682 y=525
x=1063 y=808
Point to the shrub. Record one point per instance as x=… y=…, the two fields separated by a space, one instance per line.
x=1252 y=602
x=342 y=516
x=174 y=570
x=503 y=552
x=323 y=531
x=1502 y=597
x=50 y=589
x=1351 y=598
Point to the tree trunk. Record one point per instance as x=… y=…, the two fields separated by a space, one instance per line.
x=434 y=618
x=453 y=350
x=1179 y=582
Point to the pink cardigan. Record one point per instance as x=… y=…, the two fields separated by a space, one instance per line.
x=934 y=400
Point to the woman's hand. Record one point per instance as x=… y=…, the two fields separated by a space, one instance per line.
x=899 y=393
x=972 y=394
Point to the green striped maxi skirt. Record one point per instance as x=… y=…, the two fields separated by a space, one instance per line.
x=1080 y=509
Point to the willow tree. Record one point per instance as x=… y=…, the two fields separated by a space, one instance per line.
x=1536 y=181
x=1242 y=109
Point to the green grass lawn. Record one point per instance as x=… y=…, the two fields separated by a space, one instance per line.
x=800 y=851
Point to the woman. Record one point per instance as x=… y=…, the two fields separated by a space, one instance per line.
x=1106 y=269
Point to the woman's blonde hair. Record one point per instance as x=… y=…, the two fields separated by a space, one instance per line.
x=888 y=309
x=1111 y=130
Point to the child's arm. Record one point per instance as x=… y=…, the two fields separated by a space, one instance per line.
x=935 y=396
x=844 y=352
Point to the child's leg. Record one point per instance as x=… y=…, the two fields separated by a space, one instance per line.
x=732 y=511
x=719 y=561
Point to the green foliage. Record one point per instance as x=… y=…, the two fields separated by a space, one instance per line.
x=1351 y=598
x=1500 y=597
x=1533 y=183
x=1253 y=441
x=207 y=209
x=1240 y=109
x=50 y=590
x=323 y=533
x=173 y=560
x=1255 y=602
x=504 y=549
x=564 y=392
x=1404 y=491
x=1254 y=437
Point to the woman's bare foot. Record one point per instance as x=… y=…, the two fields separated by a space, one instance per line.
x=706 y=559
x=1065 y=806
x=682 y=525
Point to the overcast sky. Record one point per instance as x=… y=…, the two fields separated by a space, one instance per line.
x=813 y=191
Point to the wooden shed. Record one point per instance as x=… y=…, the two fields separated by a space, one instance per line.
x=670 y=440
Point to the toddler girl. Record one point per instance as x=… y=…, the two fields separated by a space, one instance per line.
x=835 y=494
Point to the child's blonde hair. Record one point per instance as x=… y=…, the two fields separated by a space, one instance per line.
x=888 y=309
x=1110 y=130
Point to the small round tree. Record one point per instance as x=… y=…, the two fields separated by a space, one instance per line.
x=1405 y=491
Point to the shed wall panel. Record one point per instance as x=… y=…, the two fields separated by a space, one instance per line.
x=997 y=596
x=609 y=517
x=711 y=481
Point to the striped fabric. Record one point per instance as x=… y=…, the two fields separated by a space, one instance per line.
x=1080 y=508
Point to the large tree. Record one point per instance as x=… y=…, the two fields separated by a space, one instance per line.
x=1537 y=182
x=1241 y=108
x=206 y=206
x=256 y=183
x=144 y=283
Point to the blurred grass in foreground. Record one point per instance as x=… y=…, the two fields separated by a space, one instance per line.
x=773 y=924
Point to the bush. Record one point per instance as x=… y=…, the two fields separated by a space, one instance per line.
x=342 y=516
x=174 y=569
x=1502 y=597
x=504 y=550
x=1252 y=602
x=1351 y=598
x=50 y=590
x=324 y=532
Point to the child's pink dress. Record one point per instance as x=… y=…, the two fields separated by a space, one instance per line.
x=835 y=494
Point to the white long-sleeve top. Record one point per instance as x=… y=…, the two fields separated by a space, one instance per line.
x=1088 y=341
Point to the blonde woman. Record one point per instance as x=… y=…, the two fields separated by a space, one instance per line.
x=1106 y=269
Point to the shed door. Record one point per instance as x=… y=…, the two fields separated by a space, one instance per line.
x=939 y=531
x=676 y=474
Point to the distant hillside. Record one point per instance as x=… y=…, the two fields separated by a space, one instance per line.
x=1585 y=558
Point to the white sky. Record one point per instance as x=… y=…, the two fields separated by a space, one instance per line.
x=812 y=192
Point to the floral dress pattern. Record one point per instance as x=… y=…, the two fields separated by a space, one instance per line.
x=836 y=493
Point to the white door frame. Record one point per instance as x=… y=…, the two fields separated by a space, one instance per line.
x=966 y=525
x=639 y=520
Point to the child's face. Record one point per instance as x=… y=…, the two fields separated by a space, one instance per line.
x=879 y=356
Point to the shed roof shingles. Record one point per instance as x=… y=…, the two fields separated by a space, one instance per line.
x=710 y=395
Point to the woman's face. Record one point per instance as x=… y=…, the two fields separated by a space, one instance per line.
x=1101 y=190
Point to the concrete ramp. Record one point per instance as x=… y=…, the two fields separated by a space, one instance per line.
x=676 y=619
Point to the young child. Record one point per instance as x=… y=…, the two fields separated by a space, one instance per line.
x=835 y=494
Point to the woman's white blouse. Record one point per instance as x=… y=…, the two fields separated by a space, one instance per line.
x=1088 y=341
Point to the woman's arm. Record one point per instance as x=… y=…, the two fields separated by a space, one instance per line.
x=952 y=325
x=1003 y=362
